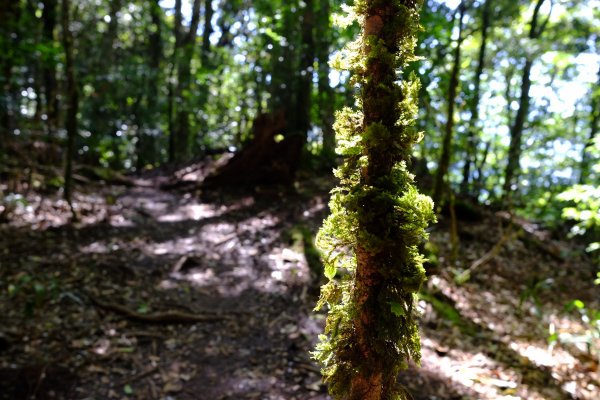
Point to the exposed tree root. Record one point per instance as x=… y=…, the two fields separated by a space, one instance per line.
x=166 y=317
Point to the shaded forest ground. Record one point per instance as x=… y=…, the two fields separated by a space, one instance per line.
x=187 y=294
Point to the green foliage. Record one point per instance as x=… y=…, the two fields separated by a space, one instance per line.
x=375 y=209
x=33 y=292
x=584 y=209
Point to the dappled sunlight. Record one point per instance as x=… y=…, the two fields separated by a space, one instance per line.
x=539 y=355
x=289 y=266
x=194 y=212
x=281 y=269
x=508 y=314
x=42 y=212
x=486 y=377
x=96 y=247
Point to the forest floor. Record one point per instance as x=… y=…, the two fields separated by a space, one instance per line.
x=167 y=294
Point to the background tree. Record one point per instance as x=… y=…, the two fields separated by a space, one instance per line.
x=472 y=134
x=536 y=28
x=185 y=40
x=453 y=86
x=72 y=103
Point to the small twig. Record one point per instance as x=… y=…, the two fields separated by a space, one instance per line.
x=179 y=264
x=226 y=239
x=493 y=252
x=167 y=317
x=139 y=376
x=145 y=334
x=308 y=367
x=40 y=379
x=487 y=257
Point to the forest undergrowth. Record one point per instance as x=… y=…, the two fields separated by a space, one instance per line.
x=209 y=294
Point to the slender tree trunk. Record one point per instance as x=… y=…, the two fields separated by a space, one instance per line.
x=594 y=128
x=10 y=14
x=472 y=136
x=326 y=95
x=307 y=58
x=146 y=144
x=479 y=180
x=376 y=377
x=444 y=163
x=172 y=95
x=516 y=132
x=49 y=67
x=207 y=31
x=109 y=82
x=283 y=86
x=185 y=51
x=72 y=95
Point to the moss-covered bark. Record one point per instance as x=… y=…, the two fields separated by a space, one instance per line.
x=377 y=216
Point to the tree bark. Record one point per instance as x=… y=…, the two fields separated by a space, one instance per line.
x=516 y=131
x=207 y=31
x=472 y=136
x=146 y=146
x=305 y=77
x=10 y=13
x=326 y=95
x=184 y=44
x=49 y=68
x=444 y=163
x=72 y=95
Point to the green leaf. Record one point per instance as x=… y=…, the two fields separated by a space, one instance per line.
x=143 y=308
x=330 y=270
x=579 y=304
x=397 y=309
x=128 y=389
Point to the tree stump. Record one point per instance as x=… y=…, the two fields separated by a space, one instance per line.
x=264 y=160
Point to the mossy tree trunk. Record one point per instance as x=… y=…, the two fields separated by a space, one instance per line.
x=377 y=216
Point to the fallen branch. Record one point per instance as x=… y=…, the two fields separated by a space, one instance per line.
x=167 y=317
x=493 y=252
x=487 y=257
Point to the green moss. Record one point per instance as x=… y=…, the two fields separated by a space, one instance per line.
x=376 y=207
